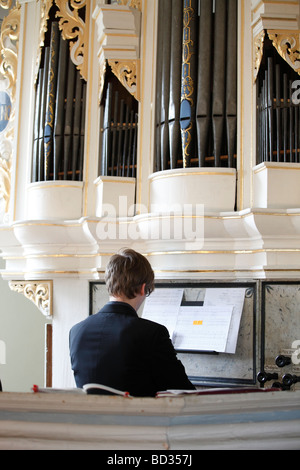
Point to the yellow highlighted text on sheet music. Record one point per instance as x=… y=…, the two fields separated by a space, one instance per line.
x=198 y=322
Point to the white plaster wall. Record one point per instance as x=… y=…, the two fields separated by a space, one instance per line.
x=70 y=306
x=22 y=338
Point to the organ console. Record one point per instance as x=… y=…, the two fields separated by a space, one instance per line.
x=287 y=380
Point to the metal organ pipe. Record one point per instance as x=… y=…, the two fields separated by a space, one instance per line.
x=119 y=134
x=59 y=115
x=278 y=116
x=207 y=79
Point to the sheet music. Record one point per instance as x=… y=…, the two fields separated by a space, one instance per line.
x=162 y=306
x=211 y=327
x=202 y=328
x=228 y=296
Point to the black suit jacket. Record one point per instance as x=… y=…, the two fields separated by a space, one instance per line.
x=117 y=348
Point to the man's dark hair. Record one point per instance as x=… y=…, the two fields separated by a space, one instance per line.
x=126 y=272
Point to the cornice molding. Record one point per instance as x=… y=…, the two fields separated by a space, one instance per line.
x=254 y=244
x=281 y=21
x=118 y=37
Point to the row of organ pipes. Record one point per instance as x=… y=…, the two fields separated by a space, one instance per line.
x=196 y=105
x=278 y=114
x=58 y=141
x=196 y=101
x=119 y=133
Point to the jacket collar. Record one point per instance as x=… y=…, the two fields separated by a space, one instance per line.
x=119 y=307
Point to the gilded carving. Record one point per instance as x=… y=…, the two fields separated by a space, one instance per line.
x=5 y=4
x=258 y=52
x=287 y=44
x=187 y=81
x=187 y=84
x=102 y=66
x=5 y=181
x=9 y=41
x=40 y=293
x=186 y=140
x=74 y=28
x=126 y=72
x=131 y=3
x=44 y=16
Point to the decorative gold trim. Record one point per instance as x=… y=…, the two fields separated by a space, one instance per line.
x=44 y=17
x=9 y=39
x=224 y=252
x=127 y=73
x=9 y=45
x=291 y=168
x=161 y=253
x=41 y=186
x=6 y=4
x=102 y=70
x=40 y=293
x=287 y=44
x=258 y=45
x=52 y=272
x=207 y=271
x=89 y=98
x=74 y=28
x=131 y=3
x=186 y=140
x=187 y=85
x=5 y=181
x=103 y=180
x=194 y=173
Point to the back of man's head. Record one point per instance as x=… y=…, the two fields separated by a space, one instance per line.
x=126 y=272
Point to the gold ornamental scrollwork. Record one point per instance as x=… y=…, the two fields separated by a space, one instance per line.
x=5 y=181
x=102 y=69
x=258 y=52
x=44 y=17
x=287 y=44
x=131 y=3
x=6 y=4
x=9 y=41
x=74 y=28
x=126 y=71
x=9 y=44
x=40 y=293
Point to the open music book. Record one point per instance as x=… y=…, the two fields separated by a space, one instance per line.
x=210 y=325
x=88 y=389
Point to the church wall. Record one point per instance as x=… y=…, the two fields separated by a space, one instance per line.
x=235 y=238
x=22 y=339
